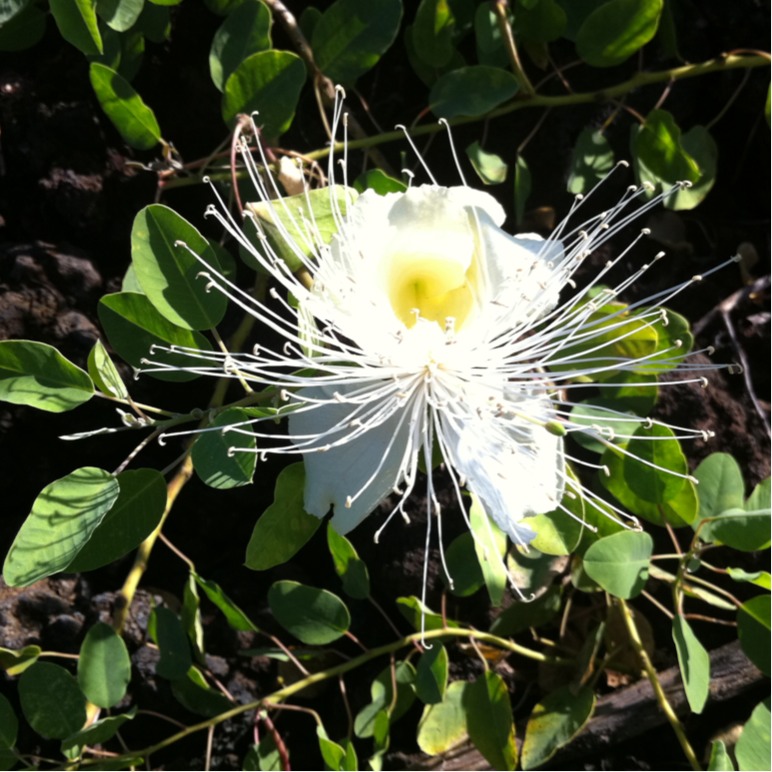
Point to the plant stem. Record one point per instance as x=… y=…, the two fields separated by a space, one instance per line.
x=324 y=675
x=500 y=8
x=659 y=692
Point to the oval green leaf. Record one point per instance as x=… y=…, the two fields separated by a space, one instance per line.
x=120 y=15
x=721 y=486
x=694 y=662
x=9 y=724
x=443 y=725
x=620 y=563
x=78 y=25
x=431 y=680
x=37 y=375
x=104 y=666
x=62 y=520
x=99 y=732
x=489 y=720
x=236 y=618
x=104 y=373
x=51 y=701
x=163 y=252
x=134 y=326
x=245 y=31
x=592 y=159
x=167 y=631
x=383 y=709
x=285 y=526
x=215 y=457
x=351 y=36
x=616 y=30
x=554 y=722
x=269 y=83
x=651 y=447
x=135 y=121
x=471 y=91
x=315 y=617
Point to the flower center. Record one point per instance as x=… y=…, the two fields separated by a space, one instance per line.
x=430 y=286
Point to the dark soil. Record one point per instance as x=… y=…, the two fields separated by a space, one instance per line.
x=70 y=190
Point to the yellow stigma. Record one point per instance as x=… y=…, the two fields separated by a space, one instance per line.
x=430 y=286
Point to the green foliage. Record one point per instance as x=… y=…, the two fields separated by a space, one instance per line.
x=443 y=724
x=63 y=518
x=313 y=616
x=694 y=661
x=77 y=23
x=620 y=563
x=104 y=667
x=471 y=91
x=753 y=747
x=51 y=701
x=489 y=720
x=348 y=565
x=753 y=630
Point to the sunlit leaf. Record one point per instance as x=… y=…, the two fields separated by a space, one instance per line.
x=432 y=675
x=753 y=747
x=135 y=121
x=285 y=526
x=694 y=661
x=753 y=630
x=554 y=722
x=620 y=563
x=269 y=83
x=490 y=167
x=77 y=23
x=382 y=698
x=104 y=667
x=63 y=518
x=616 y=30
x=591 y=161
x=37 y=375
x=236 y=618
x=443 y=725
x=348 y=565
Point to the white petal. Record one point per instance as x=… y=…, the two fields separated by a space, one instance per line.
x=334 y=475
x=515 y=467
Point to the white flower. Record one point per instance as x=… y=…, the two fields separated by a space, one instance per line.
x=427 y=327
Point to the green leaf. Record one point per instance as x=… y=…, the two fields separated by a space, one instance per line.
x=236 y=618
x=721 y=485
x=268 y=82
x=489 y=720
x=620 y=563
x=285 y=526
x=190 y=617
x=104 y=666
x=333 y=755
x=490 y=168
x=655 y=446
x=351 y=36
x=104 y=373
x=471 y=91
x=463 y=566
x=432 y=675
x=557 y=533
x=9 y=724
x=16 y=661
x=720 y=760
x=490 y=546
x=37 y=375
x=154 y=23
x=540 y=23
x=592 y=159
x=286 y=227
x=744 y=531
x=51 y=701
x=753 y=747
x=694 y=661
x=120 y=15
x=315 y=617
x=420 y=616
x=554 y=722
x=443 y=725
x=163 y=245
x=616 y=30
x=77 y=23
x=759 y=578
x=135 y=514
x=62 y=520
x=348 y=565
x=433 y=32
x=245 y=31
x=753 y=630
x=379 y=181
x=134 y=327
x=382 y=699
x=212 y=458
x=24 y=29
x=166 y=630
x=521 y=616
x=194 y=694
x=135 y=121
x=663 y=156
x=98 y=733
